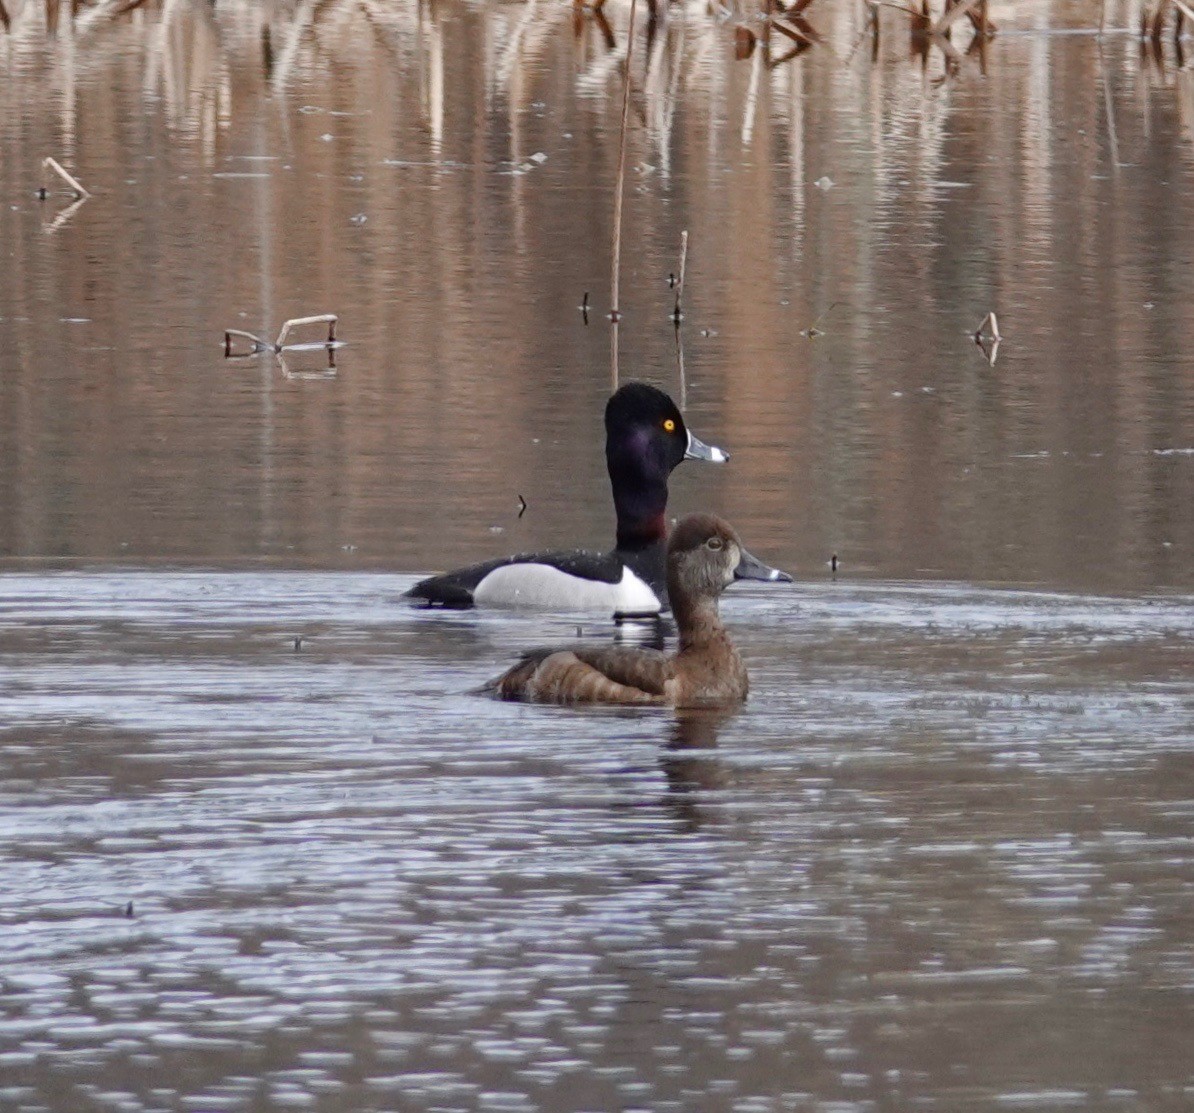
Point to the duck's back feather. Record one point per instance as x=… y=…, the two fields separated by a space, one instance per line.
x=578 y=580
x=589 y=674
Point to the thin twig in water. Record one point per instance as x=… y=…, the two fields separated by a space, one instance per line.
x=992 y=320
x=812 y=332
x=328 y=319
x=73 y=182
x=258 y=345
x=677 y=313
x=988 y=342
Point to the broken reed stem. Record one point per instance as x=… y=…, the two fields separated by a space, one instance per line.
x=989 y=319
x=73 y=182
x=677 y=314
x=614 y=309
x=328 y=319
x=258 y=345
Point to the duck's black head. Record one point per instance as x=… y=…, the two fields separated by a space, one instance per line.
x=645 y=438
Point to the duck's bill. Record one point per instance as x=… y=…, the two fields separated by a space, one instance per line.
x=699 y=450
x=751 y=568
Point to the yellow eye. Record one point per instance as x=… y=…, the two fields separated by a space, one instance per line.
x=669 y=426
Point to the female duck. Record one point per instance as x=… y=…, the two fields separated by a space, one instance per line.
x=645 y=439
x=704 y=557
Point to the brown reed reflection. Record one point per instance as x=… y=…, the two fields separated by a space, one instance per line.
x=449 y=194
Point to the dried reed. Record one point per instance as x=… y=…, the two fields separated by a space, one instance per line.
x=73 y=182
x=615 y=312
x=677 y=312
x=258 y=345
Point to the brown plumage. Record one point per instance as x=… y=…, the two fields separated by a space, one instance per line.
x=704 y=557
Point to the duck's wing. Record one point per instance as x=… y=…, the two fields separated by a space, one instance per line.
x=614 y=674
x=577 y=580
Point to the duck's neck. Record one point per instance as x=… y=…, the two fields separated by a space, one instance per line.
x=697 y=620
x=640 y=501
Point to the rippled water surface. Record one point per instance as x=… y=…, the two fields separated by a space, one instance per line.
x=943 y=858
x=264 y=847
x=442 y=178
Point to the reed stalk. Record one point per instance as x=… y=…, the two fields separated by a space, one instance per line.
x=70 y=179
x=677 y=313
x=615 y=309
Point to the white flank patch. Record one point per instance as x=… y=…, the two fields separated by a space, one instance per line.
x=541 y=585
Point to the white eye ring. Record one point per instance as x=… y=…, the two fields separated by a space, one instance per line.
x=714 y=543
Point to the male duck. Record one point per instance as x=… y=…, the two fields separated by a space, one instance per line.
x=704 y=557
x=645 y=439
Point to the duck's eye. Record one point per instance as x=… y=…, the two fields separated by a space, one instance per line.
x=714 y=543
x=669 y=426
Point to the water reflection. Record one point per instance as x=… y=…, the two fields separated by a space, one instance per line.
x=449 y=195
x=690 y=764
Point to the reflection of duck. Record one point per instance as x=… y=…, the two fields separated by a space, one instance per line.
x=704 y=557
x=645 y=439
x=689 y=762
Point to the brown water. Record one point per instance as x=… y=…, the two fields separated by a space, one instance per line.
x=944 y=859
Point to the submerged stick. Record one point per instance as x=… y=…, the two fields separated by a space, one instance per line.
x=73 y=182
x=677 y=314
